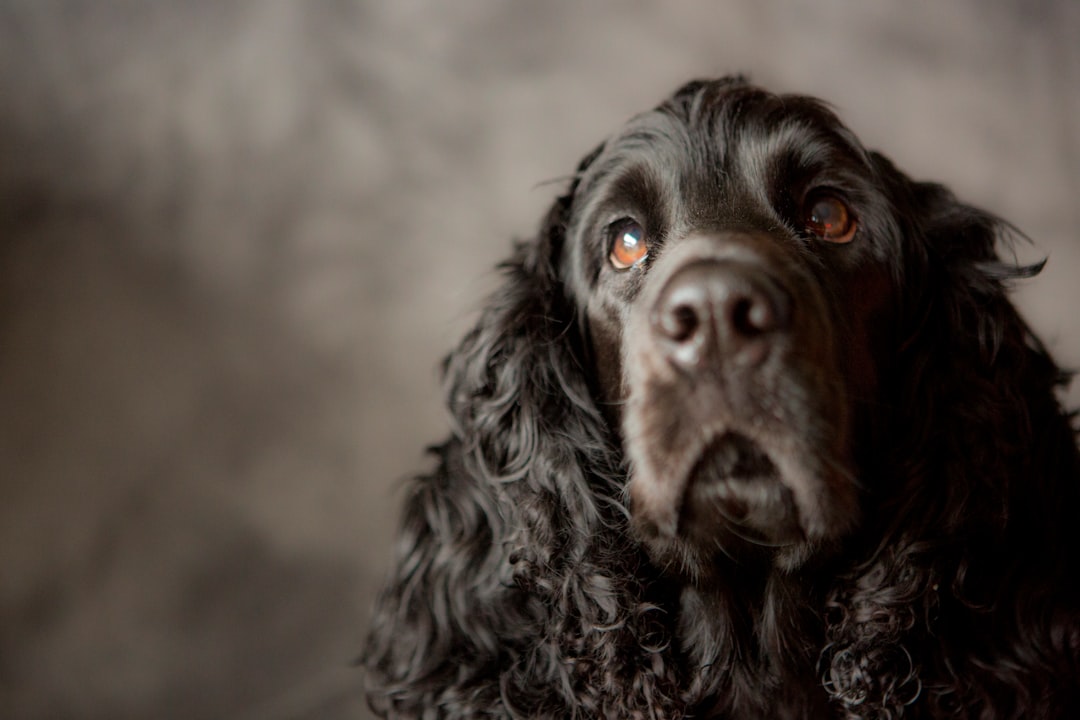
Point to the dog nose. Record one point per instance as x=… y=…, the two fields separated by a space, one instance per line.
x=719 y=310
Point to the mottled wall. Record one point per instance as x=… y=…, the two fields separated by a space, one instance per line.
x=236 y=237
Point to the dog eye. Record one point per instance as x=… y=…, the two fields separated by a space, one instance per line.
x=628 y=244
x=829 y=218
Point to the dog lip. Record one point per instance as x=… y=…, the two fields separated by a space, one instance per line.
x=732 y=455
x=735 y=488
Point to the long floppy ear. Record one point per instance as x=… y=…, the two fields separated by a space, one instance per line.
x=515 y=588
x=982 y=392
x=974 y=511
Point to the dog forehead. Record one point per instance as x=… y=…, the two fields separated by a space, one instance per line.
x=734 y=119
x=721 y=139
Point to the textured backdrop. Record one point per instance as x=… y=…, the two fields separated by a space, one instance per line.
x=236 y=237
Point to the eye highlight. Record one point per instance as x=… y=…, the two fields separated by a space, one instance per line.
x=827 y=217
x=629 y=245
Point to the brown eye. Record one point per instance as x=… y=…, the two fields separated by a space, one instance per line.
x=829 y=218
x=628 y=245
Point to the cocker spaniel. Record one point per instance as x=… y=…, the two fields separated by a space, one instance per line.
x=751 y=430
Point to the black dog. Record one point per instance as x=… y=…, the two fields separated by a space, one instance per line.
x=750 y=431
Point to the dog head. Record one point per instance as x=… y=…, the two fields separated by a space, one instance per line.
x=738 y=258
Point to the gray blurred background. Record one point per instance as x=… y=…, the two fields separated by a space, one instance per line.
x=236 y=238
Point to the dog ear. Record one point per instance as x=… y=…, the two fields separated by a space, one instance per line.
x=957 y=324
x=522 y=364
x=984 y=463
x=963 y=245
x=970 y=367
x=504 y=582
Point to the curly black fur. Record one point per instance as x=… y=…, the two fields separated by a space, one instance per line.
x=527 y=583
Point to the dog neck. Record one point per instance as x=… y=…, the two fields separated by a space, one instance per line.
x=754 y=645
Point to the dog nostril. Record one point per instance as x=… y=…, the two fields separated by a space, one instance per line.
x=680 y=323
x=753 y=316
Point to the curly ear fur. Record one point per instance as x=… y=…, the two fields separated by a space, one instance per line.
x=980 y=487
x=514 y=562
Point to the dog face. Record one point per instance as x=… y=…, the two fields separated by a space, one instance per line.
x=737 y=257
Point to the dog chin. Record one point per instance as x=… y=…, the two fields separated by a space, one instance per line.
x=735 y=485
x=733 y=502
